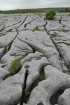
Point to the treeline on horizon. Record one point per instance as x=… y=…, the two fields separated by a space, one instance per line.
x=40 y=10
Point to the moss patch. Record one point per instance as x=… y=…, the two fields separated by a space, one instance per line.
x=36 y=29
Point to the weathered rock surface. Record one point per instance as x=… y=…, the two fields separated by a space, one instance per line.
x=7 y=39
x=43 y=43
x=17 y=49
x=46 y=44
x=45 y=89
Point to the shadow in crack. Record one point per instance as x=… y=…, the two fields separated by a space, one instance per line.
x=54 y=98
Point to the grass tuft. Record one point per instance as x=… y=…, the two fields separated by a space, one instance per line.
x=39 y=79
x=36 y=29
x=25 y=96
x=68 y=44
x=16 y=65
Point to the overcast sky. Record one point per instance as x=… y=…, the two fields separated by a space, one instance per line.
x=25 y=4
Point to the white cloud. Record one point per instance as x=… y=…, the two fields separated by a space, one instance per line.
x=22 y=4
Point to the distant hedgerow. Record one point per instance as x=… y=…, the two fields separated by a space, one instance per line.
x=50 y=15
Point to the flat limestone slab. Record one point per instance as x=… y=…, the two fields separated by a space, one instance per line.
x=41 y=41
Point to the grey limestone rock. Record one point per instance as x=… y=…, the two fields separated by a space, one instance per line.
x=34 y=69
x=18 y=48
x=55 y=80
x=43 y=43
x=7 y=39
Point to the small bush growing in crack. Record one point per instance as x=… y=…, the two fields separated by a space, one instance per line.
x=16 y=65
x=25 y=96
x=50 y=15
x=36 y=29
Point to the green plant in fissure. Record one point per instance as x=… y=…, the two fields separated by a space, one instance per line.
x=36 y=29
x=25 y=96
x=34 y=49
x=16 y=65
x=1 y=46
x=50 y=15
x=68 y=44
x=63 y=26
x=39 y=79
x=64 y=71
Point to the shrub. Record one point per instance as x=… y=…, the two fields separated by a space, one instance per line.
x=50 y=15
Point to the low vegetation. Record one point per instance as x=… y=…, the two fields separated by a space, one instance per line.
x=50 y=15
x=1 y=46
x=68 y=44
x=39 y=79
x=36 y=29
x=34 y=49
x=40 y=10
x=54 y=36
x=64 y=71
x=25 y=96
x=16 y=65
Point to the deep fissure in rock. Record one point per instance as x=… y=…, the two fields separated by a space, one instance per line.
x=35 y=83
x=29 y=22
x=23 y=21
x=24 y=89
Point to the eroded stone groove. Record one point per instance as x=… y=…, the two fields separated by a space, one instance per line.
x=24 y=87
x=29 y=22
x=22 y=22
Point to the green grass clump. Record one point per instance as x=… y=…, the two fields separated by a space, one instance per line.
x=39 y=79
x=25 y=96
x=16 y=65
x=68 y=44
x=1 y=46
x=15 y=18
x=50 y=15
x=63 y=26
x=64 y=71
x=36 y=29
x=34 y=49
